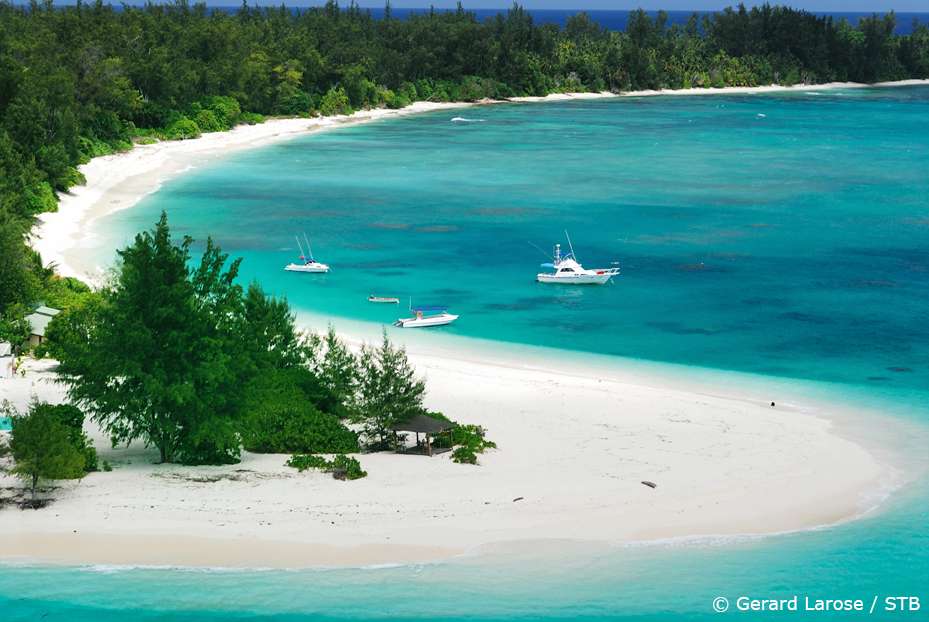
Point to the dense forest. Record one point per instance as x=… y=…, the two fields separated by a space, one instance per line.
x=81 y=81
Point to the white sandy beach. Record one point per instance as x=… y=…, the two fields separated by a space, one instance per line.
x=574 y=446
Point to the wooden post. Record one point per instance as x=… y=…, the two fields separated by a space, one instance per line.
x=428 y=444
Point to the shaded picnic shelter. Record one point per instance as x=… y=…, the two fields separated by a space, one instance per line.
x=429 y=427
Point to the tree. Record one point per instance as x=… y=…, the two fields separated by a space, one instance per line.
x=338 y=371
x=144 y=360
x=388 y=392
x=43 y=449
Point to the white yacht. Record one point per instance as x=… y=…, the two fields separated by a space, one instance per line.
x=307 y=263
x=567 y=270
x=437 y=316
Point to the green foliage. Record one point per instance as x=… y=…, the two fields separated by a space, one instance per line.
x=107 y=467
x=181 y=129
x=350 y=465
x=176 y=354
x=207 y=121
x=335 y=101
x=304 y=462
x=14 y=328
x=388 y=391
x=464 y=455
x=43 y=448
x=346 y=464
x=281 y=418
x=251 y=118
x=337 y=369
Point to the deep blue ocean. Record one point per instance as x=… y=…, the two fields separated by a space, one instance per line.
x=610 y=19
x=785 y=236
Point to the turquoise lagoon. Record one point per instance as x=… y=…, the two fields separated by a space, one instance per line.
x=781 y=236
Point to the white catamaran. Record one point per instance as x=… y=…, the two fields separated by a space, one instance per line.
x=437 y=316
x=308 y=264
x=567 y=270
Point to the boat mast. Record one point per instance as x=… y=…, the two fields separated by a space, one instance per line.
x=571 y=246
x=302 y=256
x=308 y=247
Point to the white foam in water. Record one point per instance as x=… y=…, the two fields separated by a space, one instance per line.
x=761 y=115
x=466 y=120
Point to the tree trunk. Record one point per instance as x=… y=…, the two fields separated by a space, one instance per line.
x=35 y=482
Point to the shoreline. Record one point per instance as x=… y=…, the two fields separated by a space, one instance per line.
x=576 y=441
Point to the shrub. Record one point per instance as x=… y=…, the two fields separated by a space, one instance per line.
x=340 y=462
x=181 y=129
x=43 y=448
x=303 y=462
x=251 y=118
x=464 y=455
x=207 y=122
x=227 y=109
x=289 y=412
x=351 y=466
x=298 y=430
x=335 y=101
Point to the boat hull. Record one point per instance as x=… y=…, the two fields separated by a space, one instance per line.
x=317 y=268
x=576 y=279
x=425 y=322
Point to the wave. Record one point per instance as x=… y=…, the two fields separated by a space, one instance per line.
x=466 y=120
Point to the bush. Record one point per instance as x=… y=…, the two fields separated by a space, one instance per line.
x=351 y=466
x=340 y=462
x=181 y=129
x=226 y=109
x=335 y=101
x=298 y=430
x=464 y=455
x=303 y=462
x=73 y=419
x=251 y=118
x=207 y=122
x=288 y=411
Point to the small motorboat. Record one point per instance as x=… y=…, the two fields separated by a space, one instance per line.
x=384 y=299
x=567 y=270
x=308 y=264
x=427 y=316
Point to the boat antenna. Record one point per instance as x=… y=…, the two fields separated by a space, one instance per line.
x=308 y=247
x=571 y=246
x=547 y=256
x=302 y=256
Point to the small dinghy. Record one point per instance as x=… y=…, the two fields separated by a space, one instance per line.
x=308 y=264
x=384 y=299
x=427 y=316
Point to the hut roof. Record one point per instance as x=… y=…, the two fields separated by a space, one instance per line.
x=423 y=424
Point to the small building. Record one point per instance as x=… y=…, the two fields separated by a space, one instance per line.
x=6 y=359
x=38 y=323
x=429 y=427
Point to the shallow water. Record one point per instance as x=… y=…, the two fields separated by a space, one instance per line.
x=795 y=244
x=781 y=235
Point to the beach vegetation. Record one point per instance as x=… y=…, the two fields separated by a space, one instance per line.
x=42 y=444
x=338 y=370
x=335 y=101
x=282 y=416
x=389 y=392
x=346 y=467
x=177 y=354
